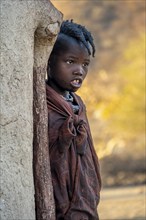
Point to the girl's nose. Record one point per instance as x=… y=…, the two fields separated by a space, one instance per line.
x=79 y=71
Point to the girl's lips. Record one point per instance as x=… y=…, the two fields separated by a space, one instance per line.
x=76 y=83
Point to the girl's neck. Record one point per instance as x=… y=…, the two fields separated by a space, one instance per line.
x=60 y=91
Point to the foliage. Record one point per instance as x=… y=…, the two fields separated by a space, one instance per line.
x=126 y=110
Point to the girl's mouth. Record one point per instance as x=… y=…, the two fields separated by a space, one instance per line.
x=76 y=83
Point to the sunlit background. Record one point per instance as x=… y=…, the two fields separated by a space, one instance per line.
x=114 y=93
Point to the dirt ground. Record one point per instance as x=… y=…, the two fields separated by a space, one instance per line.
x=123 y=203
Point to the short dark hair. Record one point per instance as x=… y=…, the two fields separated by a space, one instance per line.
x=77 y=31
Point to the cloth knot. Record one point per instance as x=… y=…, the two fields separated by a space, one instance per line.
x=73 y=131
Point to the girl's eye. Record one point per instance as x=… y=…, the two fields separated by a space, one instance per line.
x=85 y=64
x=69 y=61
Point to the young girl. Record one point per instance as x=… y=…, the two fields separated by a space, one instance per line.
x=74 y=164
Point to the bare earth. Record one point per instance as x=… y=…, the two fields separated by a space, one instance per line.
x=123 y=203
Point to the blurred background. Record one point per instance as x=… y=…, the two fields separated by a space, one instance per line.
x=114 y=93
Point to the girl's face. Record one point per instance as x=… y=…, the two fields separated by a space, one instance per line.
x=69 y=68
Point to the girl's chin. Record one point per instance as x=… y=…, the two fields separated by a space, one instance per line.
x=73 y=90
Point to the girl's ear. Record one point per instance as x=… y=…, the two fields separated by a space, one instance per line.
x=49 y=61
x=49 y=69
x=49 y=74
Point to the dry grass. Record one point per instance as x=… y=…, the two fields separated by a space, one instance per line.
x=123 y=203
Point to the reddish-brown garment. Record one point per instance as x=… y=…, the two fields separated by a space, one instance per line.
x=74 y=164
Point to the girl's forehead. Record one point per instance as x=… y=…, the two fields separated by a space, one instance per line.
x=73 y=45
x=71 y=42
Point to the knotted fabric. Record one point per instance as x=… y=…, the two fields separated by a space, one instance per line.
x=74 y=163
x=70 y=132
